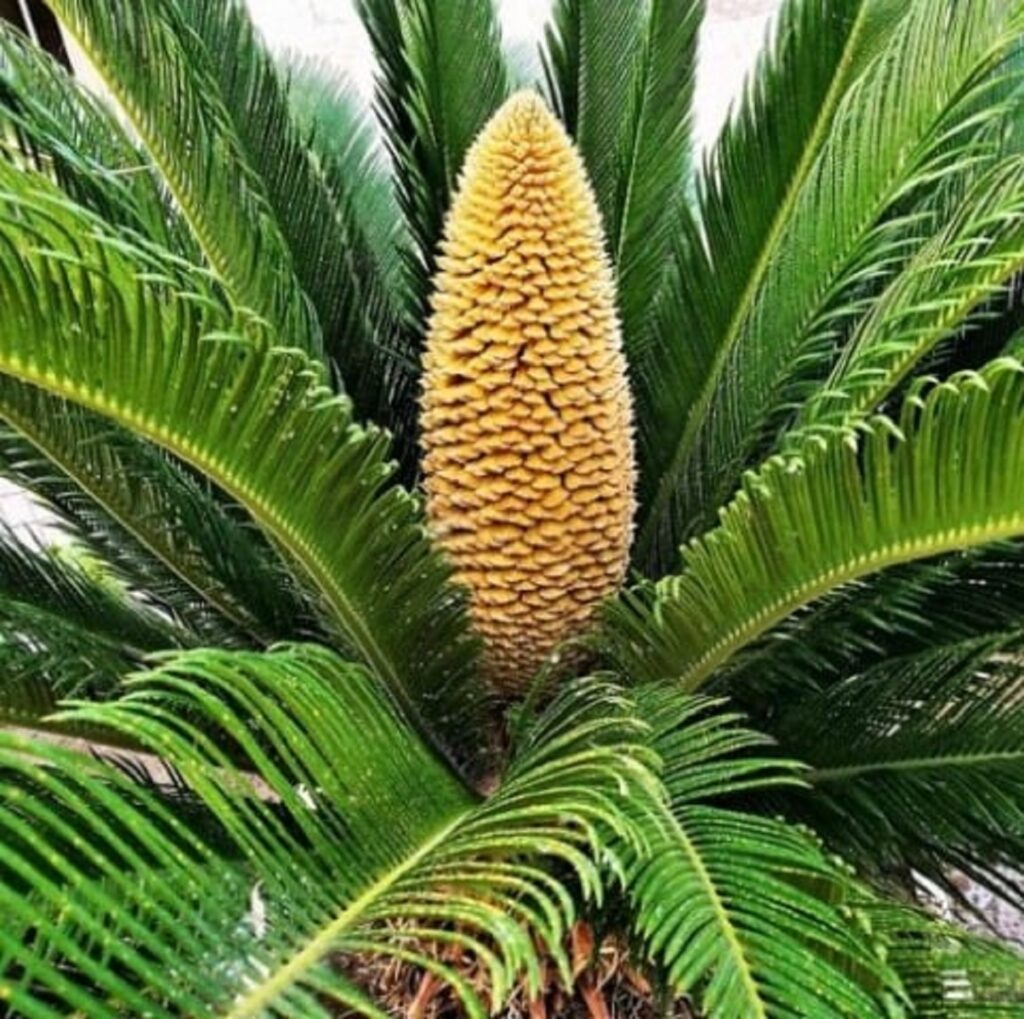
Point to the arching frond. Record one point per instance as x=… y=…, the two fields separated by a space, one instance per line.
x=173 y=103
x=92 y=320
x=68 y=628
x=45 y=657
x=916 y=116
x=975 y=257
x=946 y=972
x=434 y=94
x=948 y=478
x=139 y=509
x=344 y=139
x=970 y=595
x=924 y=762
x=64 y=584
x=721 y=252
x=53 y=125
x=744 y=912
x=317 y=216
x=653 y=159
x=57 y=128
x=349 y=836
x=347 y=144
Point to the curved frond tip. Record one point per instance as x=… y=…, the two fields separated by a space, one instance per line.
x=949 y=476
x=770 y=277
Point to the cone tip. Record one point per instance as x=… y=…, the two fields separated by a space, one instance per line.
x=525 y=110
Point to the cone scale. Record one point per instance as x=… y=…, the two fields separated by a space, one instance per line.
x=526 y=415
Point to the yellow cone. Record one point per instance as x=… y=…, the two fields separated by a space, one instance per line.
x=526 y=414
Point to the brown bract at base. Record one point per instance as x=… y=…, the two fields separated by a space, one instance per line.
x=526 y=413
x=606 y=983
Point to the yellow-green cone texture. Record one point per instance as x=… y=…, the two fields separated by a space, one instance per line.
x=526 y=414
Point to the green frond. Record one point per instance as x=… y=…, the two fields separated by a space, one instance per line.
x=924 y=764
x=357 y=170
x=68 y=628
x=139 y=509
x=347 y=144
x=50 y=123
x=173 y=103
x=921 y=112
x=45 y=658
x=973 y=259
x=93 y=320
x=434 y=94
x=63 y=583
x=968 y=595
x=722 y=249
x=654 y=158
x=744 y=912
x=948 y=477
x=990 y=331
x=596 y=56
x=946 y=972
x=316 y=204
x=348 y=836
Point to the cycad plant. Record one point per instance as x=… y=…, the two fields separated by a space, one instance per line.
x=491 y=541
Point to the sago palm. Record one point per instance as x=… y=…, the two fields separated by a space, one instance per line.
x=505 y=538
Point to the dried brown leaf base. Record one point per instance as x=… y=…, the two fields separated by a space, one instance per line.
x=607 y=986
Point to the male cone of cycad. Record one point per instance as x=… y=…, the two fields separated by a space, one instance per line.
x=526 y=414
